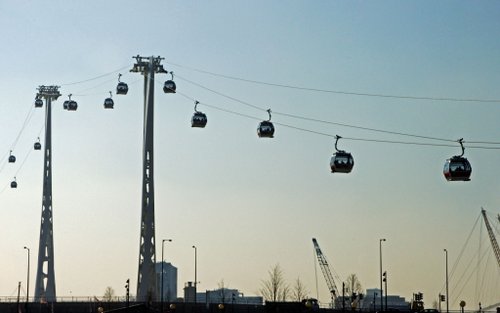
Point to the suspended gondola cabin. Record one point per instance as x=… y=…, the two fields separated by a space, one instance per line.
x=72 y=105
x=12 y=158
x=341 y=162
x=109 y=103
x=457 y=168
x=121 y=88
x=13 y=184
x=199 y=119
x=38 y=103
x=37 y=146
x=169 y=86
x=265 y=129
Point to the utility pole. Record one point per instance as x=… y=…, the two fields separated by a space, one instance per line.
x=127 y=292
x=45 y=285
x=381 y=290
x=146 y=282
x=447 y=295
x=385 y=285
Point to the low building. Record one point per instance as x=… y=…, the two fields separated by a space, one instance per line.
x=372 y=302
x=218 y=296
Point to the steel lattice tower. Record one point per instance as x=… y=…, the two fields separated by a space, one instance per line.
x=45 y=286
x=146 y=278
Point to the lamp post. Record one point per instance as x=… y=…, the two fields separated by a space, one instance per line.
x=162 y=262
x=195 y=272
x=381 y=290
x=28 y=278
x=446 y=257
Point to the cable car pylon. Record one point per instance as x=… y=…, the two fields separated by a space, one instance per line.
x=45 y=284
x=146 y=278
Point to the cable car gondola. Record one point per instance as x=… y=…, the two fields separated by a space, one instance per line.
x=37 y=145
x=199 y=119
x=38 y=103
x=108 y=102
x=341 y=161
x=266 y=128
x=121 y=88
x=457 y=168
x=13 y=184
x=70 y=105
x=12 y=158
x=169 y=86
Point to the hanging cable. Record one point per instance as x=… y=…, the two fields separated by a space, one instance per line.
x=222 y=95
x=333 y=136
x=27 y=119
x=351 y=93
x=97 y=77
x=334 y=123
x=361 y=127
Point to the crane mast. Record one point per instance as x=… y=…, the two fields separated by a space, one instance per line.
x=493 y=240
x=323 y=264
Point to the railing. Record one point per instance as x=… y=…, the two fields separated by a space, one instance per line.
x=14 y=299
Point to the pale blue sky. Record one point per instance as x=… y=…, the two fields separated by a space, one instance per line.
x=249 y=203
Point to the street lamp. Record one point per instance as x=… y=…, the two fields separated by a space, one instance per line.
x=162 y=262
x=446 y=256
x=195 y=273
x=381 y=290
x=28 y=278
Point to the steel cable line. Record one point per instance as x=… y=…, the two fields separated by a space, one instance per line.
x=27 y=119
x=334 y=136
x=341 y=124
x=18 y=169
x=328 y=122
x=293 y=115
x=311 y=119
x=364 y=94
x=467 y=279
x=360 y=127
x=325 y=122
x=94 y=78
x=97 y=86
x=221 y=94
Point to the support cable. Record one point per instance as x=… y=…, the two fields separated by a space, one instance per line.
x=332 y=135
x=352 y=93
x=337 y=123
x=97 y=77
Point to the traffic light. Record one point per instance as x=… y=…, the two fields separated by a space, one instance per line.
x=442 y=298
x=384 y=279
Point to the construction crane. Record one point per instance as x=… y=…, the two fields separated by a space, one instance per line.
x=493 y=240
x=323 y=264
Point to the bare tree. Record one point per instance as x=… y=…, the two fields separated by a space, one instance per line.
x=285 y=291
x=109 y=294
x=299 y=290
x=353 y=285
x=275 y=287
